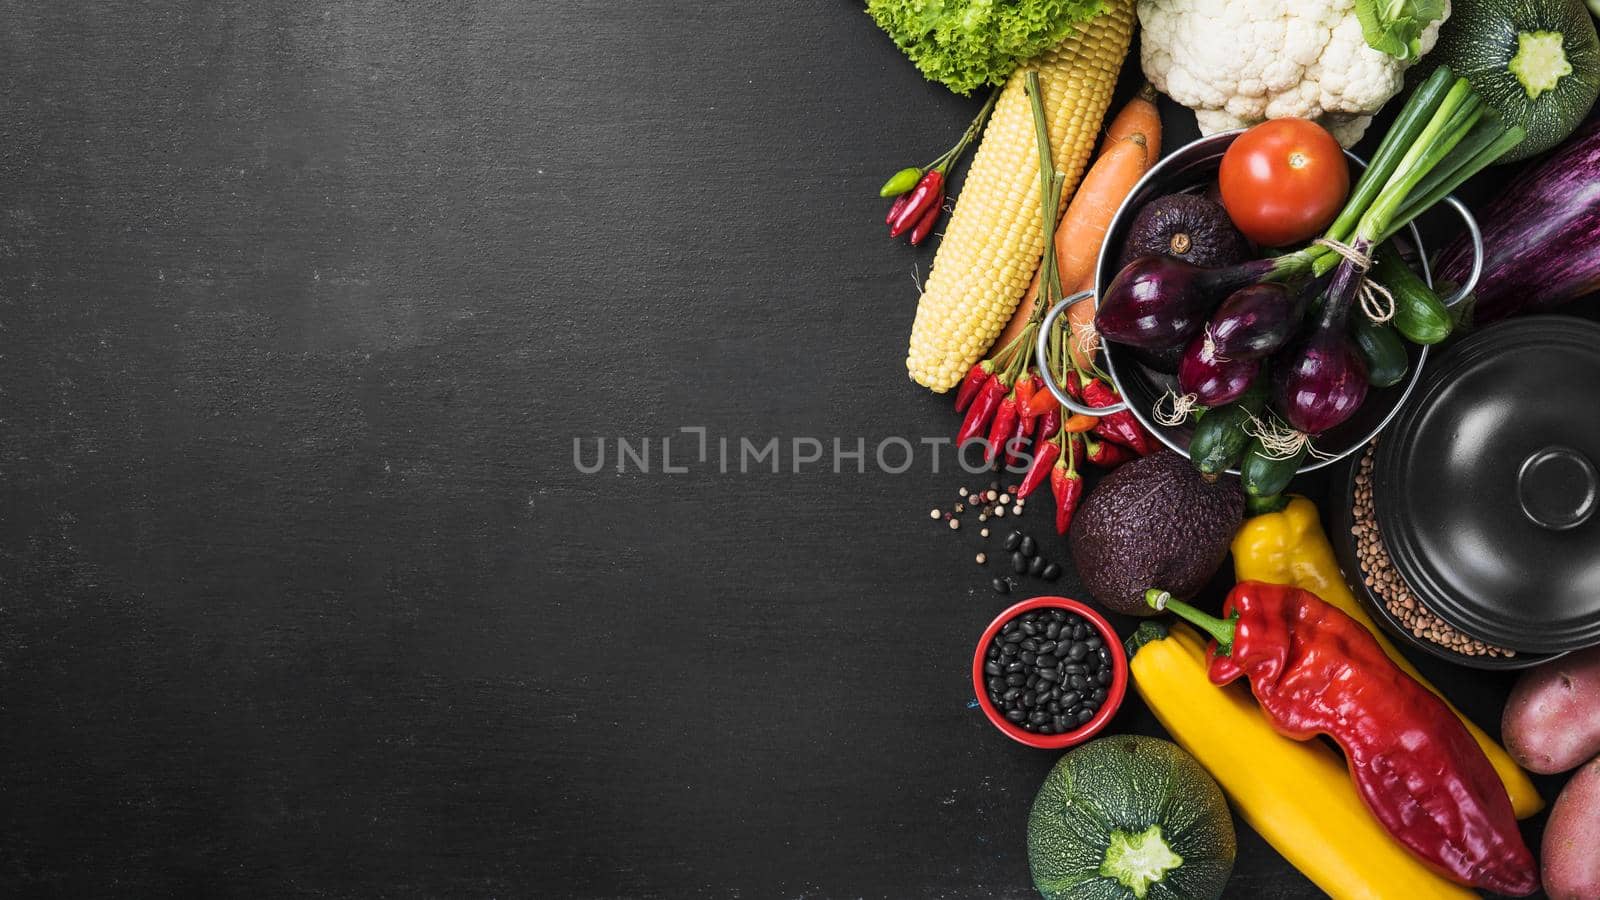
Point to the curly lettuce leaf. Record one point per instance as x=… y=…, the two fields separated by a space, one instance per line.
x=967 y=44
x=1395 y=26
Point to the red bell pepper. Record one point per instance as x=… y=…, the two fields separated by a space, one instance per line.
x=1315 y=670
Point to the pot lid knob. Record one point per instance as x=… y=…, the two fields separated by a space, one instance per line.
x=1557 y=488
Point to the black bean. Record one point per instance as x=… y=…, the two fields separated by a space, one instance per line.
x=1099 y=695
x=999 y=640
x=1012 y=694
x=1009 y=627
x=1093 y=642
x=1033 y=679
x=1029 y=726
x=1046 y=661
x=1047 y=646
x=1013 y=540
x=994 y=652
x=1060 y=615
x=1008 y=651
x=1061 y=723
x=1053 y=630
x=1053 y=706
x=1029 y=546
x=1105 y=656
x=1085 y=715
x=1039 y=717
x=1036 y=566
x=1014 y=666
x=996 y=683
x=1027 y=657
x=1019 y=563
x=1016 y=679
x=1015 y=715
x=1103 y=676
x=1001 y=586
x=1070 y=699
x=1050 y=675
x=1030 y=645
x=991 y=667
x=1077 y=651
x=1030 y=699
x=1078 y=682
x=1056 y=692
x=1047 y=728
x=1073 y=669
x=1080 y=631
x=1015 y=637
x=1051 y=572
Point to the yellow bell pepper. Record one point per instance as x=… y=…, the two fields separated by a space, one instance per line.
x=1296 y=794
x=1289 y=547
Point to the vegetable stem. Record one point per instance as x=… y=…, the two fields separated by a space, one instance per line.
x=1220 y=630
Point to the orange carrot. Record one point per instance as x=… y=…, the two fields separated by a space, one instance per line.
x=1083 y=228
x=1139 y=116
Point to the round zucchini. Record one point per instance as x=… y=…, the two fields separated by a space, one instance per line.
x=1535 y=62
x=1130 y=817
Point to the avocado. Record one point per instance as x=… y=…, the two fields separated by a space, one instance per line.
x=1188 y=227
x=1154 y=522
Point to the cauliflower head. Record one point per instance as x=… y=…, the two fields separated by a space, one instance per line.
x=1239 y=62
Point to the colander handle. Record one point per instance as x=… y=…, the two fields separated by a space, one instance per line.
x=1477 y=252
x=1042 y=356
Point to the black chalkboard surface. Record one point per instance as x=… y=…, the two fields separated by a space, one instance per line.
x=303 y=588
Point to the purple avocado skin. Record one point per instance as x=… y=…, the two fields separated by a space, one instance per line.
x=1539 y=235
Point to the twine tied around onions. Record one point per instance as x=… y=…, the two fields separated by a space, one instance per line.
x=1376 y=300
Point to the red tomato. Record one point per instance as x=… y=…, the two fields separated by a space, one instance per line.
x=1284 y=181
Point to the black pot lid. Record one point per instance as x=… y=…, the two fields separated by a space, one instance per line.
x=1486 y=485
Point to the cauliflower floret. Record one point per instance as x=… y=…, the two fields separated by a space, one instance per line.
x=1239 y=62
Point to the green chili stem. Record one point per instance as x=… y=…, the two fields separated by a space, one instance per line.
x=1220 y=630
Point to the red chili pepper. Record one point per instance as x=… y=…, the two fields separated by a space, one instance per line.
x=1067 y=485
x=970 y=385
x=1044 y=460
x=983 y=409
x=929 y=193
x=1314 y=671
x=924 y=226
x=1042 y=402
x=1005 y=421
x=1106 y=454
x=1049 y=426
x=1018 y=439
x=1121 y=427
x=896 y=208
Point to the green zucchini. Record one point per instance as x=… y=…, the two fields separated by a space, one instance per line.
x=1382 y=350
x=1419 y=314
x=1264 y=476
x=1220 y=438
x=1535 y=62
x=1126 y=818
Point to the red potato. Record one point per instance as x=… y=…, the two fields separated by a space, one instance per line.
x=1571 y=867
x=1552 y=719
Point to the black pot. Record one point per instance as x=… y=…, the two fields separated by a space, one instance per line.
x=1486 y=487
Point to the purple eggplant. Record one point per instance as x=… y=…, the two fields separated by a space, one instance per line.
x=1320 y=380
x=1256 y=320
x=1157 y=303
x=1539 y=235
x=1212 y=378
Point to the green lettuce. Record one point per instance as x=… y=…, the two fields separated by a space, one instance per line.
x=967 y=44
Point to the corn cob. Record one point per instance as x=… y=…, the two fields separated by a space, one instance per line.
x=995 y=239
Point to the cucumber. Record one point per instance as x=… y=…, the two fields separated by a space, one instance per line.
x=1264 y=476
x=1219 y=439
x=1381 y=349
x=1419 y=314
x=1260 y=506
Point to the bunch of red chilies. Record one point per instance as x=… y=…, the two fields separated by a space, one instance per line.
x=1007 y=405
x=919 y=191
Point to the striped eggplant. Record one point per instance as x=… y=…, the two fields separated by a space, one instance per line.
x=1539 y=235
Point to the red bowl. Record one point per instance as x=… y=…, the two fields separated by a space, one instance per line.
x=1114 y=693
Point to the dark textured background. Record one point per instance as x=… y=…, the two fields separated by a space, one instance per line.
x=301 y=307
